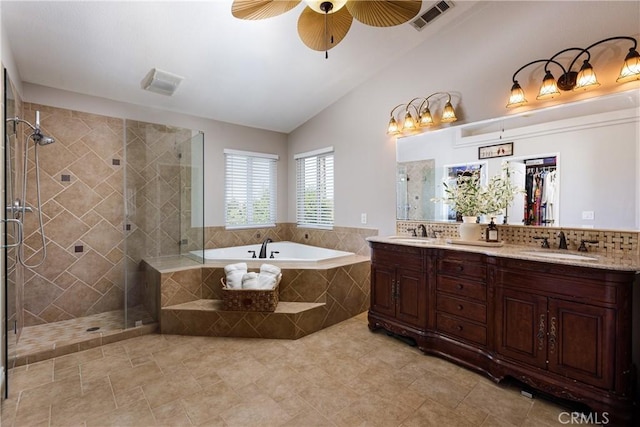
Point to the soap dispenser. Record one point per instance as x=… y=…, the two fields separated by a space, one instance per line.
x=491 y=233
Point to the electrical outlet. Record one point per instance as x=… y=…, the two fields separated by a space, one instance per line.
x=363 y=218
x=587 y=214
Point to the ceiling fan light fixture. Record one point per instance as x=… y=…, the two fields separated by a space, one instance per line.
x=320 y=6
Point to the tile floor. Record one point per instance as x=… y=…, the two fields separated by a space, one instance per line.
x=341 y=376
x=41 y=342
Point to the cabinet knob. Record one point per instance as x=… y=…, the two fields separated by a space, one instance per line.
x=460 y=267
x=460 y=307
x=459 y=286
x=459 y=328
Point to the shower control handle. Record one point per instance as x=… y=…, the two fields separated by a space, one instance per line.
x=17 y=207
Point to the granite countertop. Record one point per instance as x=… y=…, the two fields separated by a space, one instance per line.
x=529 y=253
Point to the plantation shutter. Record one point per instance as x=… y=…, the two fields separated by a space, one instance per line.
x=314 y=188
x=250 y=189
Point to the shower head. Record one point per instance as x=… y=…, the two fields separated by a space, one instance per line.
x=41 y=139
x=37 y=135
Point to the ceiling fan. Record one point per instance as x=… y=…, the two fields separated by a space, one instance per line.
x=323 y=24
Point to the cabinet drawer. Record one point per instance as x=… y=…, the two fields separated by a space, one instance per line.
x=404 y=257
x=461 y=328
x=461 y=307
x=462 y=288
x=464 y=268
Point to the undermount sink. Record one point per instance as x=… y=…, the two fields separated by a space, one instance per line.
x=405 y=239
x=556 y=255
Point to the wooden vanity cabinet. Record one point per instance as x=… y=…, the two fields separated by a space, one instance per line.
x=399 y=289
x=567 y=331
x=564 y=330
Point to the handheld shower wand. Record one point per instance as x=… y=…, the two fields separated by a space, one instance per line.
x=20 y=207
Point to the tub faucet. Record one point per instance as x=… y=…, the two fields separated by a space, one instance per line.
x=263 y=249
x=563 y=241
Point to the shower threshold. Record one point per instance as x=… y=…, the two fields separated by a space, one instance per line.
x=46 y=341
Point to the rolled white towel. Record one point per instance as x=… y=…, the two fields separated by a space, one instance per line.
x=250 y=280
x=268 y=276
x=270 y=270
x=266 y=281
x=234 y=274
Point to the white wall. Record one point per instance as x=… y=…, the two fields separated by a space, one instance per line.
x=475 y=58
x=217 y=137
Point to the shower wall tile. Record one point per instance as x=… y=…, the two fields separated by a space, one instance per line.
x=85 y=210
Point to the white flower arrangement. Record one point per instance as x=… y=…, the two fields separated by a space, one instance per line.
x=469 y=198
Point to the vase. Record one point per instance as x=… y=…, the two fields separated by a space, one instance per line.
x=469 y=229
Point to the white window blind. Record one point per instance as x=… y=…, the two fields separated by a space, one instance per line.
x=314 y=189
x=250 y=189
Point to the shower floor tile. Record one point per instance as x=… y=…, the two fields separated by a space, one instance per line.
x=49 y=340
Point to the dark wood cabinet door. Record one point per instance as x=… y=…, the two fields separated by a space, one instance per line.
x=580 y=344
x=521 y=326
x=411 y=294
x=382 y=289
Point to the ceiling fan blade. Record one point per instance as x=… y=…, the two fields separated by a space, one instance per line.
x=381 y=13
x=312 y=31
x=261 y=9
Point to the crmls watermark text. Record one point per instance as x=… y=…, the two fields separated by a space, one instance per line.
x=582 y=418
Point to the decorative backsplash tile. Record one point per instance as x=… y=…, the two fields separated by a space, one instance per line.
x=611 y=243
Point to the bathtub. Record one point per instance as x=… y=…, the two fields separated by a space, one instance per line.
x=289 y=252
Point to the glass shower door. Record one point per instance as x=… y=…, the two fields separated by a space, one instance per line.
x=192 y=197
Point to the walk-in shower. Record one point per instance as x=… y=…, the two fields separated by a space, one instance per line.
x=18 y=207
x=110 y=193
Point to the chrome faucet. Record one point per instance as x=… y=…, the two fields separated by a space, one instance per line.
x=563 y=241
x=263 y=249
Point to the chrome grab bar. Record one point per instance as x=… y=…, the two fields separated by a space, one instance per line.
x=19 y=240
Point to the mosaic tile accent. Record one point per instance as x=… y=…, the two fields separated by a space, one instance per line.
x=611 y=243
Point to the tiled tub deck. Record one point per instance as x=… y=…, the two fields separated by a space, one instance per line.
x=312 y=297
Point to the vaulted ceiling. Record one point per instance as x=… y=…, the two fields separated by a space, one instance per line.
x=252 y=73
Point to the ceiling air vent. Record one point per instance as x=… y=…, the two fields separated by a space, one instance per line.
x=438 y=9
x=161 y=82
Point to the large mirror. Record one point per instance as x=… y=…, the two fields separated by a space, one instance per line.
x=586 y=152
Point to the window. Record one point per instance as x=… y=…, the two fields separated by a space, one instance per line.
x=250 y=189
x=314 y=188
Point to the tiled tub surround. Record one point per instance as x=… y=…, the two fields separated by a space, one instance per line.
x=310 y=299
x=347 y=239
x=611 y=243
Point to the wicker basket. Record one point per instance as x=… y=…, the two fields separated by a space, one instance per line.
x=249 y=299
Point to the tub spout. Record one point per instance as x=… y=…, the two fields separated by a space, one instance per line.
x=263 y=249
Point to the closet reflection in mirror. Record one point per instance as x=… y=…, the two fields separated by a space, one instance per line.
x=595 y=144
